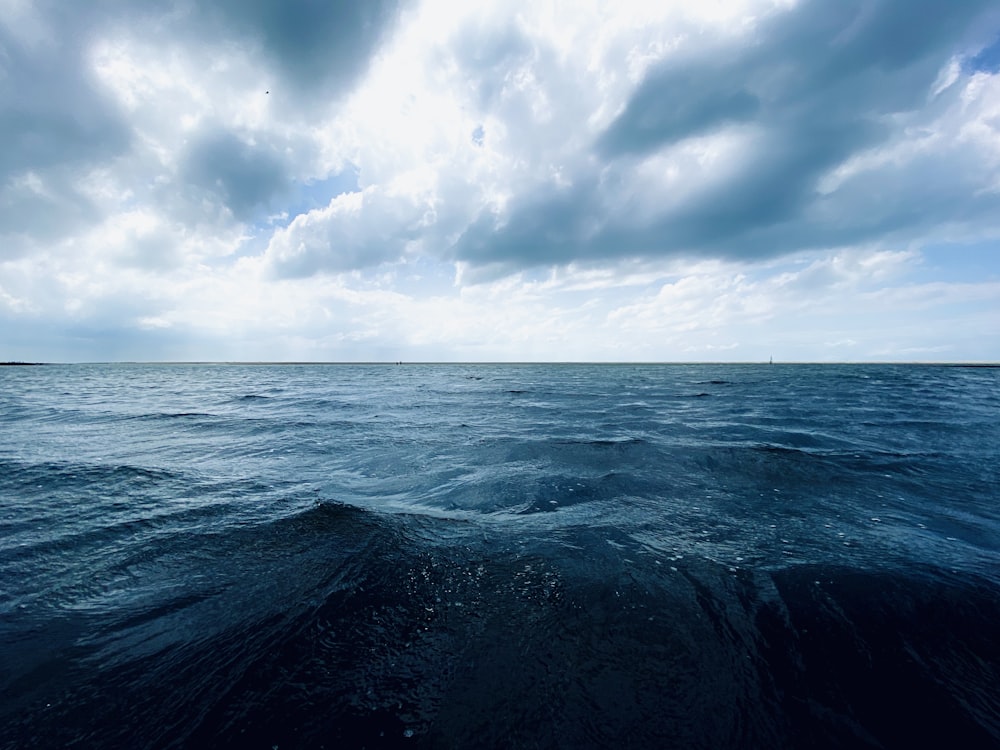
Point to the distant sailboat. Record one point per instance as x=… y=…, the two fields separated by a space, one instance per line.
x=770 y=361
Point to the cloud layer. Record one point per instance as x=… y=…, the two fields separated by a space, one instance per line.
x=301 y=180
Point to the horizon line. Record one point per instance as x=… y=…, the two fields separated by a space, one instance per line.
x=952 y=363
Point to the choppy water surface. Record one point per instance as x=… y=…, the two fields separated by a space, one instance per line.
x=516 y=556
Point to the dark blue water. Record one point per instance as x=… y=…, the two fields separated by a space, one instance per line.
x=491 y=556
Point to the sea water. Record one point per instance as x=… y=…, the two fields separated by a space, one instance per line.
x=499 y=556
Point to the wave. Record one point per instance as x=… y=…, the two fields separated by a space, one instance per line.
x=21 y=472
x=344 y=626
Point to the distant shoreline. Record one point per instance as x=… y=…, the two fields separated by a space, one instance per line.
x=21 y=364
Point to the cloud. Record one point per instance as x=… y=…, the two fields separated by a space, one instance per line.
x=675 y=103
x=55 y=124
x=40 y=208
x=807 y=91
x=314 y=46
x=243 y=174
x=265 y=179
x=356 y=230
x=52 y=113
x=114 y=109
x=986 y=60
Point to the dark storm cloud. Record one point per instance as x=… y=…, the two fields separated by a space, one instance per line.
x=673 y=104
x=316 y=45
x=815 y=86
x=241 y=173
x=50 y=112
x=546 y=227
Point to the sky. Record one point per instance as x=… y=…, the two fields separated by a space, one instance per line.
x=425 y=180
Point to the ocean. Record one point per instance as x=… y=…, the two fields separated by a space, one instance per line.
x=499 y=556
